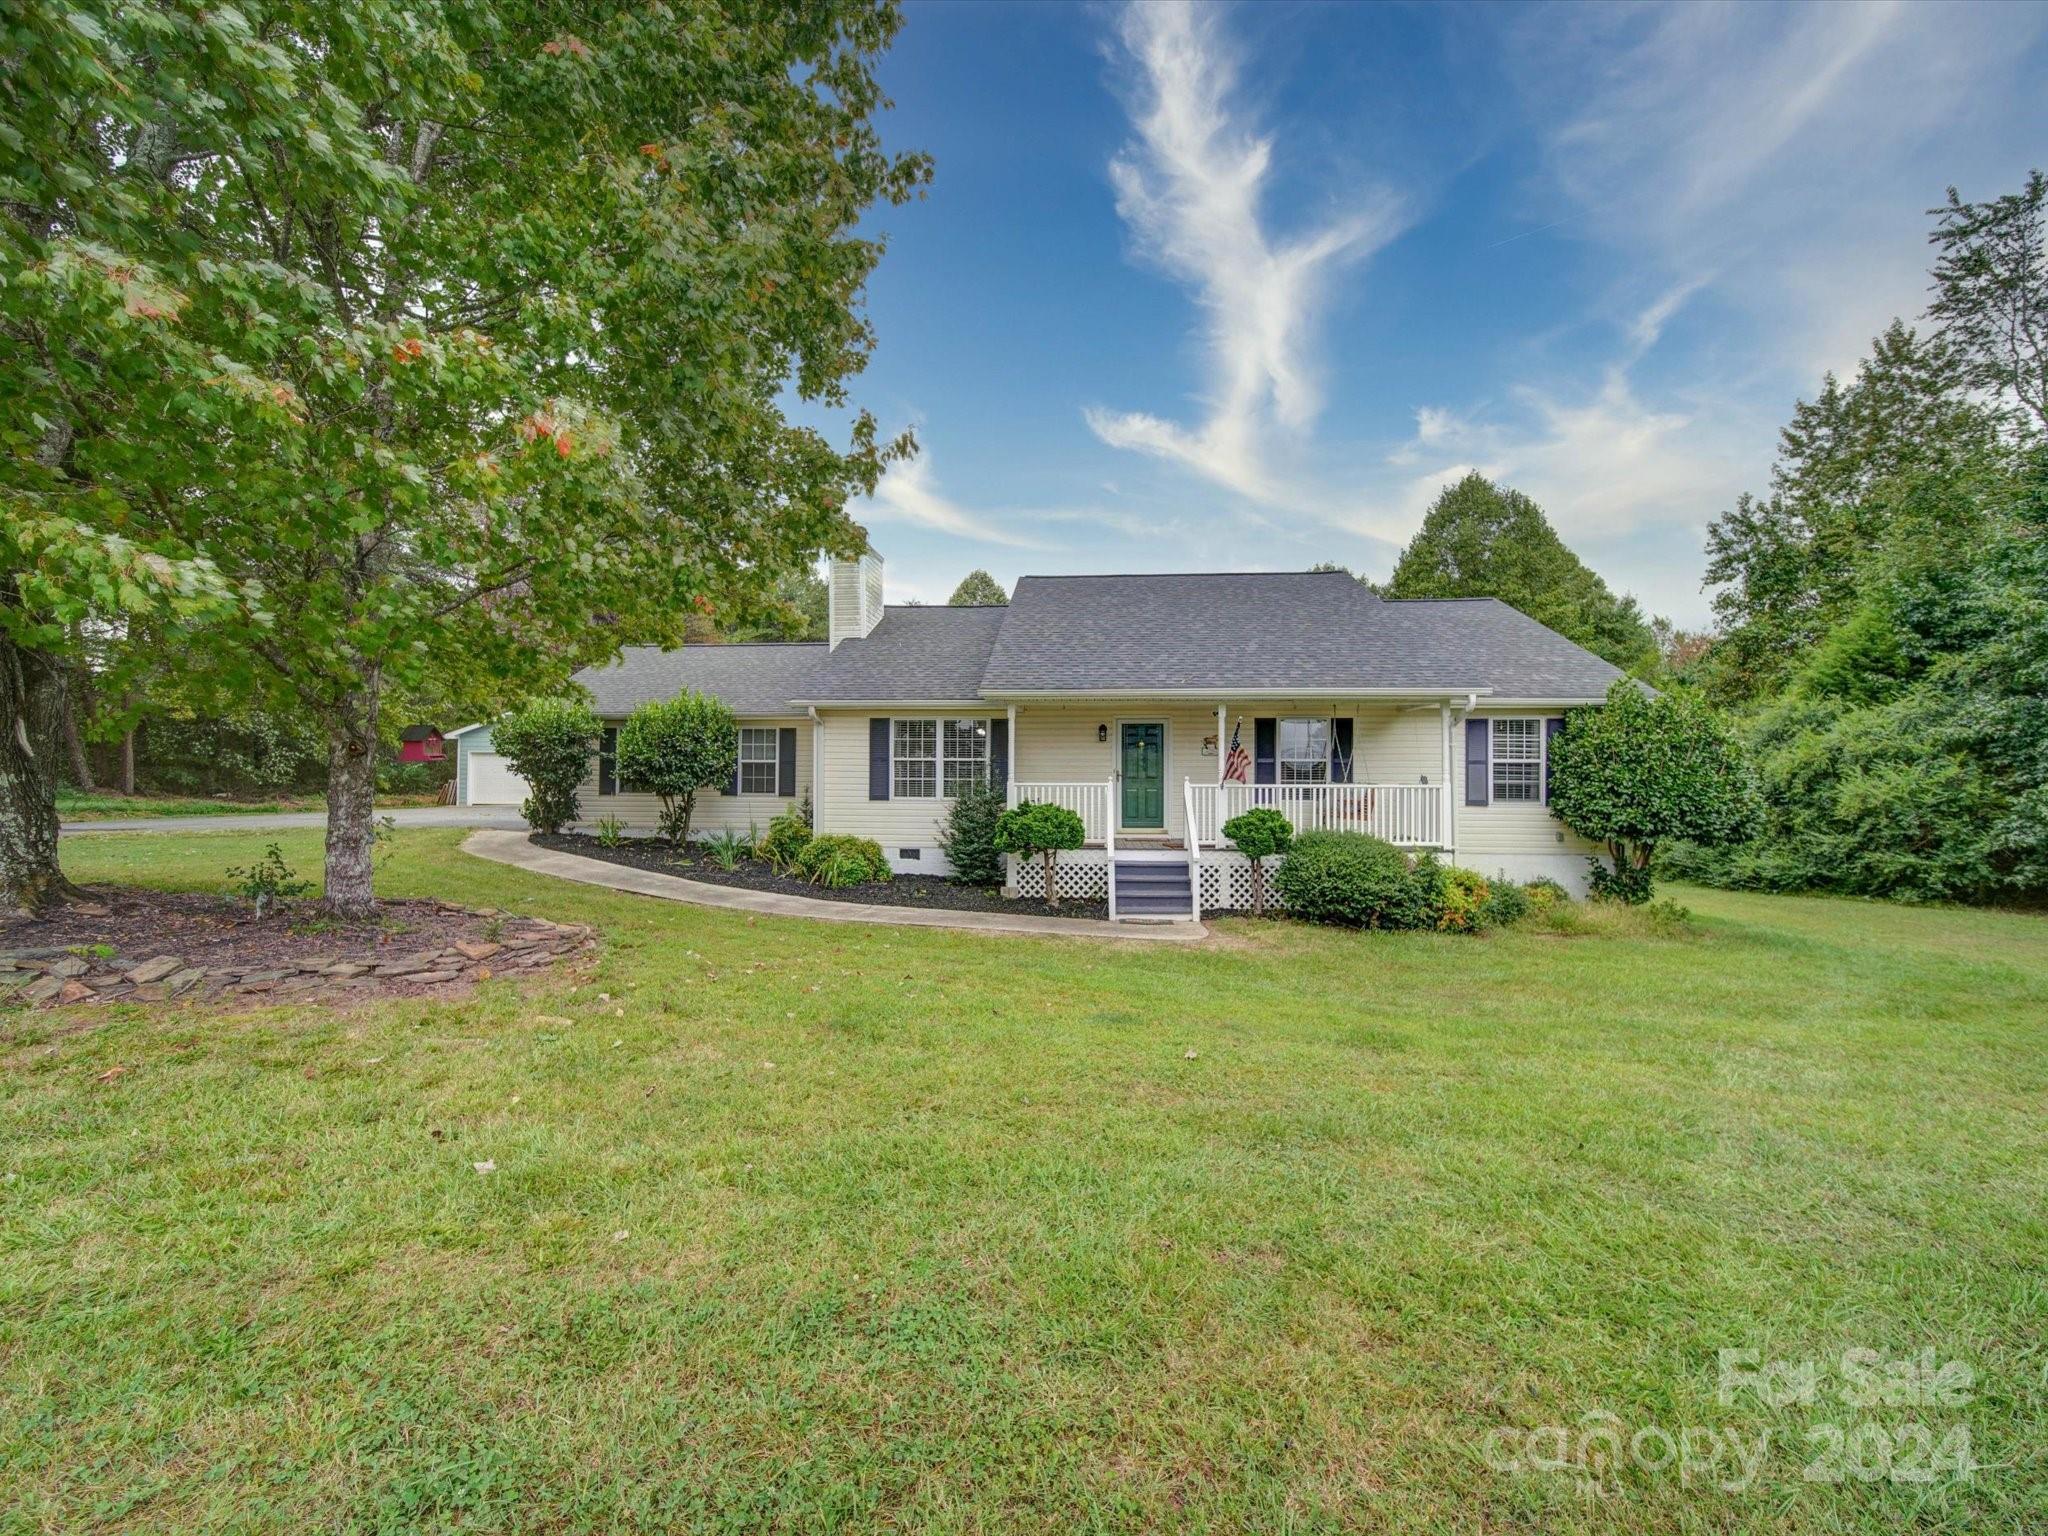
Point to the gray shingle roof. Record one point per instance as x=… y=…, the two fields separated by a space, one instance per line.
x=1316 y=631
x=751 y=679
x=914 y=653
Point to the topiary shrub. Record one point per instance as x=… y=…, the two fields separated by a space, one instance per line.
x=837 y=860
x=1260 y=833
x=787 y=837
x=548 y=743
x=1035 y=830
x=1638 y=771
x=675 y=747
x=1357 y=881
x=969 y=836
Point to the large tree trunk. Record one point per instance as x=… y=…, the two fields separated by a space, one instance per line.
x=128 y=761
x=352 y=806
x=31 y=699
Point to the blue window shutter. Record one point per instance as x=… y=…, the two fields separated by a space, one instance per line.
x=1552 y=729
x=1265 y=750
x=1340 y=749
x=1478 y=762
x=878 y=757
x=785 y=762
x=999 y=753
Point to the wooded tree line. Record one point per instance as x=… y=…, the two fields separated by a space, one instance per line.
x=373 y=357
x=1883 y=607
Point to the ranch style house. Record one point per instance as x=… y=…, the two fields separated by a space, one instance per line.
x=1155 y=707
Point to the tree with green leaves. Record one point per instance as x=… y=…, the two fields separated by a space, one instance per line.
x=1486 y=540
x=548 y=743
x=1640 y=770
x=497 y=315
x=978 y=589
x=1260 y=833
x=675 y=747
x=1036 y=829
x=796 y=607
x=1991 y=296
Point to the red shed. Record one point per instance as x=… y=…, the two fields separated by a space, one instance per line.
x=420 y=744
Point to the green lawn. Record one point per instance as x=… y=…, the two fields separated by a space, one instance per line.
x=811 y=1227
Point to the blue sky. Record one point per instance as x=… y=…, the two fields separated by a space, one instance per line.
x=1241 y=287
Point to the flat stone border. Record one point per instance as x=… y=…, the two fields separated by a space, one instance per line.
x=514 y=849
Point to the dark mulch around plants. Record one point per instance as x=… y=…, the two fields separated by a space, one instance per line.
x=934 y=892
x=121 y=941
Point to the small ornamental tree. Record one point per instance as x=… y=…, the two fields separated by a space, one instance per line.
x=1260 y=833
x=548 y=743
x=1639 y=770
x=1037 y=830
x=675 y=747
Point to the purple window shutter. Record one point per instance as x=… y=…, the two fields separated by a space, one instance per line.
x=1340 y=750
x=1478 y=762
x=785 y=762
x=878 y=757
x=1552 y=729
x=999 y=753
x=1265 y=749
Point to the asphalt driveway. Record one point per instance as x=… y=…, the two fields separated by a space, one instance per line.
x=503 y=817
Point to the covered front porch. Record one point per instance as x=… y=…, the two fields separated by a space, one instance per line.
x=1154 y=773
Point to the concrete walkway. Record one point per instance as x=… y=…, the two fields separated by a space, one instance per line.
x=277 y=821
x=513 y=848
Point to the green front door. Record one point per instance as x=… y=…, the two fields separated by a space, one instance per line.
x=1144 y=769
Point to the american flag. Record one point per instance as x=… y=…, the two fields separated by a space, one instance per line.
x=1237 y=765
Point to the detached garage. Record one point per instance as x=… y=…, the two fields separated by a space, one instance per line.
x=482 y=777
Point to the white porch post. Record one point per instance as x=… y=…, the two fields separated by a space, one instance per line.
x=1222 y=746
x=1010 y=767
x=1450 y=811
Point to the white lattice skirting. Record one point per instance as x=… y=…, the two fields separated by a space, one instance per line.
x=1081 y=877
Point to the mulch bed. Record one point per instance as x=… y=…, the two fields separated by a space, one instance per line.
x=149 y=946
x=933 y=892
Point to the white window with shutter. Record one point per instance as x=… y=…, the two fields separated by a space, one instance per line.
x=759 y=754
x=1518 y=760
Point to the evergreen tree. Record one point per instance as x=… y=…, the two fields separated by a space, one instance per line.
x=1484 y=540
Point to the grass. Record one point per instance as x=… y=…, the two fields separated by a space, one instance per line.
x=76 y=805
x=797 y=1227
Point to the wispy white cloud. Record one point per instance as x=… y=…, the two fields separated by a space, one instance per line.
x=1190 y=187
x=909 y=493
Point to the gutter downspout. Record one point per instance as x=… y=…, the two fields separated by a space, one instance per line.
x=817 y=762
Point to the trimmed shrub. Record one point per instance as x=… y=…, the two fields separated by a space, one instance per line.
x=1356 y=881
x=1260 y=833
x=548 y=743
x=838 y=860
x=1036 y=830
x=787 y=837
x=969 y=836
x=675 y=747
x=1506 y=905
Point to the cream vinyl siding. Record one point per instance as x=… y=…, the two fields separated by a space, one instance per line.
x=1515 y=827
x=714 y=812
x=1056 y=743
x=843 y=804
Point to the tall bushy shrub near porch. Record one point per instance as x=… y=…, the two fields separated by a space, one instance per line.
x=1036 y=830
x=969 y=836
x=548 y=743
x=1639 y=770
x=675 y=747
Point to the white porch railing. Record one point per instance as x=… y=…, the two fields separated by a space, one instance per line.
x=1090 y=802
x=1411 y=815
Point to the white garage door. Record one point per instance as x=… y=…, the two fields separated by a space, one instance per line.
x=492 y=781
